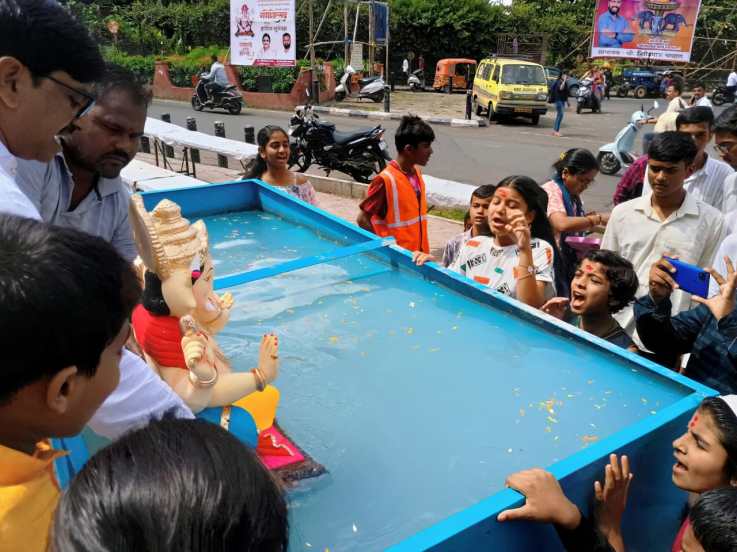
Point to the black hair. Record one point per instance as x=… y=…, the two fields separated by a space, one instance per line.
x=64 y=297
x=727 y=121
x=286 y=34
x=258 y=166
x=119 y=79
x=213 y=58
x=173 y=485
x=621 y=275
x=484 y=191
x=45 y=37
x=412 y=131
x=698 y=84
x=697 y=115
x=576 y=161
x=265 y=35
x=677 y=84
x=725 y=421
x=537 y=201
x=672 y=147
x=714 y=520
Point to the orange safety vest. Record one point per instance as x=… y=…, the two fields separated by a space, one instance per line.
x=406 y=218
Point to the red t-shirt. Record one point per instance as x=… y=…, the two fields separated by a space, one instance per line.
x=375 y=202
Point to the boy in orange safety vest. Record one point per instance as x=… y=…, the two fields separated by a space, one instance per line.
x=395 y=203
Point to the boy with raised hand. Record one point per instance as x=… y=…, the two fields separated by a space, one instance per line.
x=65 y=303
x=667 y=221
x=48 y=62
x=395 y=203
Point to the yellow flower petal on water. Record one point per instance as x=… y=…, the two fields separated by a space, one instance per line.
x=333 y=339
x=552 y=420
x=521 y=411
x=548 y=429
x=434 y=350
x=410 y=331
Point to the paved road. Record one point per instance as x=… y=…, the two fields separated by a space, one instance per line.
x=473 y=155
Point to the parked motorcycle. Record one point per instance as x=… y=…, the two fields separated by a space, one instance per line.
x=585 y=97
x=371 y=88
x=416 y=81
x=361 y=154
x=722 y=95
x=616 y=155
x=226 y=97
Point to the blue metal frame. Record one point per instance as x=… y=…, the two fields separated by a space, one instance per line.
x=474 y=527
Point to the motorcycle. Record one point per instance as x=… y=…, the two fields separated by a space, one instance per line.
x=225 y=97
x=371 y=88
x=416 y=81
x=585 y=97
x=614 y=156
x=722 y=95
x=361 y=154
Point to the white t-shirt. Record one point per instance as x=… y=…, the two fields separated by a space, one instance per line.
x=12 y=200
x=732 y=79
x=484 y=262
x=676 y=105
x=704 y=102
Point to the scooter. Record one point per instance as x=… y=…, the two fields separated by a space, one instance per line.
x=226 y=97
x=371 y=88
x=416 y=81
x=585 y=97
x=616 y=155
x=722 y=95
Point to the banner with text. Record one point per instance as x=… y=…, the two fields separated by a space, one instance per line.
x=262 y=33
x=657 y=30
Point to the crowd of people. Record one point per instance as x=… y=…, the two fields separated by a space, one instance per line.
x=68 y=126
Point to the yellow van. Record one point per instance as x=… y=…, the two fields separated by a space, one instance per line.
x=505 y=87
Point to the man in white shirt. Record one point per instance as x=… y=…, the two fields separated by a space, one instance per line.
x=709 y=181
x=668 y=221
x=698 y=97
x=732 y=83
x=47 y=64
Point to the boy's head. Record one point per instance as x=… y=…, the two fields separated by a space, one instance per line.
x=713 y=520
x=414 y=138
x=65 y=301
x=670 y=161
x=480 y=201
x=674 y=89
x=48 y=62
x=604 y=283
x=697 y=122
x=698 y=88
x=725 y=135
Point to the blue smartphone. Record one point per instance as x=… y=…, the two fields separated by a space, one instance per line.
x=690 y=278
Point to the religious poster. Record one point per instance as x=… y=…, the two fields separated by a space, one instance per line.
x=656 y=30
x=262 y=33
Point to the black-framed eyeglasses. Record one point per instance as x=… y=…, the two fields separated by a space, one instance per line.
x=89 y=100
x=725 y=147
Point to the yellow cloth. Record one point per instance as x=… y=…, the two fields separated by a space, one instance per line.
x=29 y=493
x=262 y=406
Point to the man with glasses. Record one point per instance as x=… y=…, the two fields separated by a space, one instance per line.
x=48 y=62
x=725 y=136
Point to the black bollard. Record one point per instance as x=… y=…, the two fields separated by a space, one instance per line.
x=387 y=99
x=249 y=134
x=469 y=104
x=168 y=150
x=193 y=152
x=220 y=131
x=145 y=145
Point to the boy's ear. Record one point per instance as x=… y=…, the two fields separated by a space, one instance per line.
x=10 y=74
x=61 y=386
x=689 y=168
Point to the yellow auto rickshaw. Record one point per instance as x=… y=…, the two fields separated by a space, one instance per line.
x=454 y=74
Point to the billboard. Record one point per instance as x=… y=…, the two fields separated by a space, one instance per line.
x=658 y=30
x=262 y=33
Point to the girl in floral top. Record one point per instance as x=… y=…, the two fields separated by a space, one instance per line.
x=272 y=165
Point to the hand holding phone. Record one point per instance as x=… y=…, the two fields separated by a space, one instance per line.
x=690 y=278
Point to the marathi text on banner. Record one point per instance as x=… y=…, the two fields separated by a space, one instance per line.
x=658 y=30
x=262 y=33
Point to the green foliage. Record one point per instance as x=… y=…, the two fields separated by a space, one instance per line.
x=282 y=78
x=141 y=66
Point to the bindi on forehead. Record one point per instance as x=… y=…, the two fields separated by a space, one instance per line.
x=694 y=420
x=502 y=192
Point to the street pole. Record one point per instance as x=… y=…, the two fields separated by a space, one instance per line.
x=314 y=86
x=345 y=34
x=372 y=37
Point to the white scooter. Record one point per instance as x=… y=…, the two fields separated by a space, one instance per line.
x=617 y=155
x=416 y=81
x=371 y=87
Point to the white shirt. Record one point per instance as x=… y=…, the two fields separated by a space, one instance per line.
x=140 y=396
x=481 y=260
x=103 y=213
x=732 y=79
x=217 y=74
x=710 y=184
x=12 y=200
x=676 y=105
x=704 y=102
x=635 y=232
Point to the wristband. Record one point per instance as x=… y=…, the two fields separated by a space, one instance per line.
x=260 y=380
x=197 y=382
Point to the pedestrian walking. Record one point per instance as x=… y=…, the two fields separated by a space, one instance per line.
x=559 y=96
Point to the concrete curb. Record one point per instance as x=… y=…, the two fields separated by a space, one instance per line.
x=395 y=116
